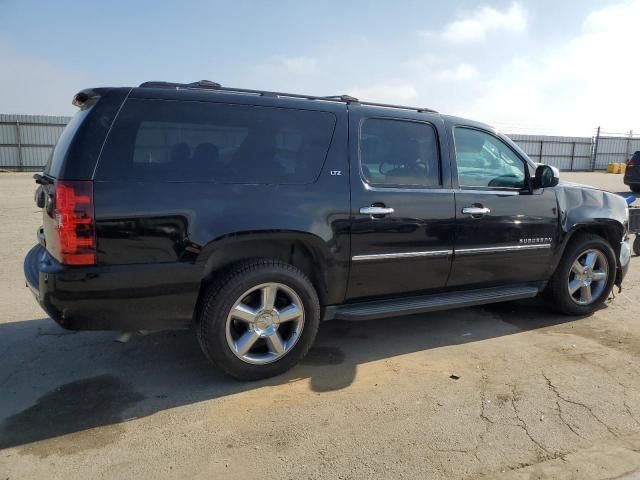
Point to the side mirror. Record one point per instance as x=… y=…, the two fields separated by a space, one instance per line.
x=546 y=177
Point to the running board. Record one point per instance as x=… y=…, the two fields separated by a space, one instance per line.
x=431 y=303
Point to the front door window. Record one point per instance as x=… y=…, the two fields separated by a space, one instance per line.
x=484 y=161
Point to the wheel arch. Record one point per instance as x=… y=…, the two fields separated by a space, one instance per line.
x=584 y=209
x=609 y=229
x=305 y=251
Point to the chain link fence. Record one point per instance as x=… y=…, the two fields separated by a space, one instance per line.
x=26 y=142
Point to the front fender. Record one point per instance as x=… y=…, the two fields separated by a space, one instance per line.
x=585 y=209
x=582 y=205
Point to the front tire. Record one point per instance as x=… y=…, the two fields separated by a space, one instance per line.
x=258 y=320
x=585 y=276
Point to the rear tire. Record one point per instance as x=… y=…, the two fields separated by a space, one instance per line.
x=258 y=320
x=636 y=245
x=585 y=276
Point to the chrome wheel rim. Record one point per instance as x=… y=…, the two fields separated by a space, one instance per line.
x=265 y=323
x=588 y=277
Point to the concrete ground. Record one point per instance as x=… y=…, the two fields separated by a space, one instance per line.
x=538 y=395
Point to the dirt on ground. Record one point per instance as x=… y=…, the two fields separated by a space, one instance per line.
x=509 y=391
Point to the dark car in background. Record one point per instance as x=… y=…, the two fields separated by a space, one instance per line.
x=252 y=216
x=632 y=173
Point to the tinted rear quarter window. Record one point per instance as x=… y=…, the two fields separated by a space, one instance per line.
x=226 y=143
x=57 y=157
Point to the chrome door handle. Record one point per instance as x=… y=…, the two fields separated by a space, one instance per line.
x=476 y=210
x=376 y=210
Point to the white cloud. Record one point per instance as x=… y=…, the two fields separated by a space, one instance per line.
x=385 y=93
x=462 y=71
x=428 y=67
x=31 y=85
x=590 y=80
x=297 y=65
x=484 y=20
x=297 y=74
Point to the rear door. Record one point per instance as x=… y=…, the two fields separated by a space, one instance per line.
x=402 y=204
x=505 y=232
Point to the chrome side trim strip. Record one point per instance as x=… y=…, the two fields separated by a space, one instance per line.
x=386 y=256
x=508 y=248
x=407 y=189
x=444 y=253
x=508 y=193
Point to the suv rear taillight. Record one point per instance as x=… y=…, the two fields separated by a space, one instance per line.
x=74 y=221
x=632 y=163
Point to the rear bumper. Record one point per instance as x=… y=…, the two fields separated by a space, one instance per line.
x=113 y=297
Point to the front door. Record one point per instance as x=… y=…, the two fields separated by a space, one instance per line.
x=403 y=209
x=505 y=232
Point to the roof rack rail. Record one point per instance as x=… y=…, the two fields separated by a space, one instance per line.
x=209 y=85
x=198 y=84
x=342 y=98
x=402 y=107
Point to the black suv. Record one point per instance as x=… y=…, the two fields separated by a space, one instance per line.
x=254 y=215
x=632 y=173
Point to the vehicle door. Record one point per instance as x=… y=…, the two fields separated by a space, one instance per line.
x=402 y=204
x=505 y=230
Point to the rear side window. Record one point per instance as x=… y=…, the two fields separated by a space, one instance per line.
x=399 y=153
x=57 y=157
x=200 y=141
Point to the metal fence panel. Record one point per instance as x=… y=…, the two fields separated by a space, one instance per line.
x=612 y=146
x=615 y=149
x=8 y=157
x=35 y=157
x=45 y=119
x=40 y=134
x=8 y=134
x=26 y=141
x=531 y=148
x=566 y=153
x=583 y=150
x=604 y=159
x=583 y=163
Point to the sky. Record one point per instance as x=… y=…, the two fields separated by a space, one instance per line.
x=545 y=66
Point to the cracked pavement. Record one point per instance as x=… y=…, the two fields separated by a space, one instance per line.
x=538 y=395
